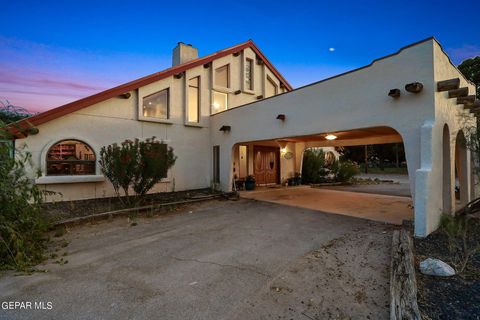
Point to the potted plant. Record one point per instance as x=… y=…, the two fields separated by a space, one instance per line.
x=250 y=182
x=297 y=178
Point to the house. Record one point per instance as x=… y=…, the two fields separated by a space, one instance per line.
x=232 y=113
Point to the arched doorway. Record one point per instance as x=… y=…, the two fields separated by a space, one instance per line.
x=447 y=172
x=461 y=170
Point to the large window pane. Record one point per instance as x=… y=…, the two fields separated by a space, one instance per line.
x=249 y=74
x=220 y=101
x=271 y=88
x=156 y=105
x=193 y=99
x=70 y=157
x=222 y=76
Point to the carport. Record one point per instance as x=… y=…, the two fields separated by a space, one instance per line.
x=413 y=96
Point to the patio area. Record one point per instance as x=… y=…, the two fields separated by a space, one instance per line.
x=377 y=207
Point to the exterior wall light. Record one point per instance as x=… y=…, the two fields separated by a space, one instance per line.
x=331 y=137
x=414 y=87
x=281 y=117
x=225 y=128
x=394 y=93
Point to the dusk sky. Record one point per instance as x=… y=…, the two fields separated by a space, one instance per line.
x=52 y=53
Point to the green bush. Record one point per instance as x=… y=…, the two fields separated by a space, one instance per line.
x=315 y=169
x=22 y=223
x=136 y=165
x=345 y=170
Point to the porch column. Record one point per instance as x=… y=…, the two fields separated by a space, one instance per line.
x=226 y=154
x=428 y=179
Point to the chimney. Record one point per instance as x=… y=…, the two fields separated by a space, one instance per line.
x=183 y=53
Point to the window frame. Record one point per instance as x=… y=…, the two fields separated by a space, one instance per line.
x=199 y=100
x=229 y=75
x=141 y=115
x=73 y=162
x=269 y=79
x=251 y=62
x=212 y=111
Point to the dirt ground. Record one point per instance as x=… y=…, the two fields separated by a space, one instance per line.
x=214 y=260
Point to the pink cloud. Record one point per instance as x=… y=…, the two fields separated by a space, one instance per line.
x=39 y=77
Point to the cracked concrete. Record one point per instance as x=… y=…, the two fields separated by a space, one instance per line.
x=214 y=260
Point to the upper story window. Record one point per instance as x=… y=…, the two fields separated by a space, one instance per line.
x=156 y=105
x=222 y=76
x=271 y=88
x=70 y=157
x=193 y=100
x=219 y=101
x=249 y=74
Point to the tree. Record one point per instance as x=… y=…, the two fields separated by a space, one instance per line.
x=136 y=165
x=22 y=223
x=10 y=113
x=471 y=70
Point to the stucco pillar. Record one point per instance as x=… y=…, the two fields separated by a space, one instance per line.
x=226 y=154
x=428 y=179
x=299 y=149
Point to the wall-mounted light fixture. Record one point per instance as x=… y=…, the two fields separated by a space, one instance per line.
x=125 y=95
x=281 y=117
x=178 y=75
x=225 y=128
x=394 y=93
x=414 y=87
x=331 y=137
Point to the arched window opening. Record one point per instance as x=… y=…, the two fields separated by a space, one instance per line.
x=70 y=157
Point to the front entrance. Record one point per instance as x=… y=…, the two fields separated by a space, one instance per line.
x=266 y=165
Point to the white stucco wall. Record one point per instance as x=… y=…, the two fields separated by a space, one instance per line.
x=359 y=100
x=117 y=119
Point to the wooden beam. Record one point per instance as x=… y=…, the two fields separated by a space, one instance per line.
x=475 y=107
x=403 y=285
x=473 y=104
x=455 y=93
x=466 y=100
x=447 y=85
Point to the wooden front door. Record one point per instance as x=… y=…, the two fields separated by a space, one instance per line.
x=266 y=165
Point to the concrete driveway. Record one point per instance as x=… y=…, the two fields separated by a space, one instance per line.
x=340 y=200
x=216 y=260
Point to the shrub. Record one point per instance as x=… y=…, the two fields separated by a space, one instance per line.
x=462 y=243
x=346 y=170
x=22 y=223
x=136 y=165
x=313 y=169
x=316 y=170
